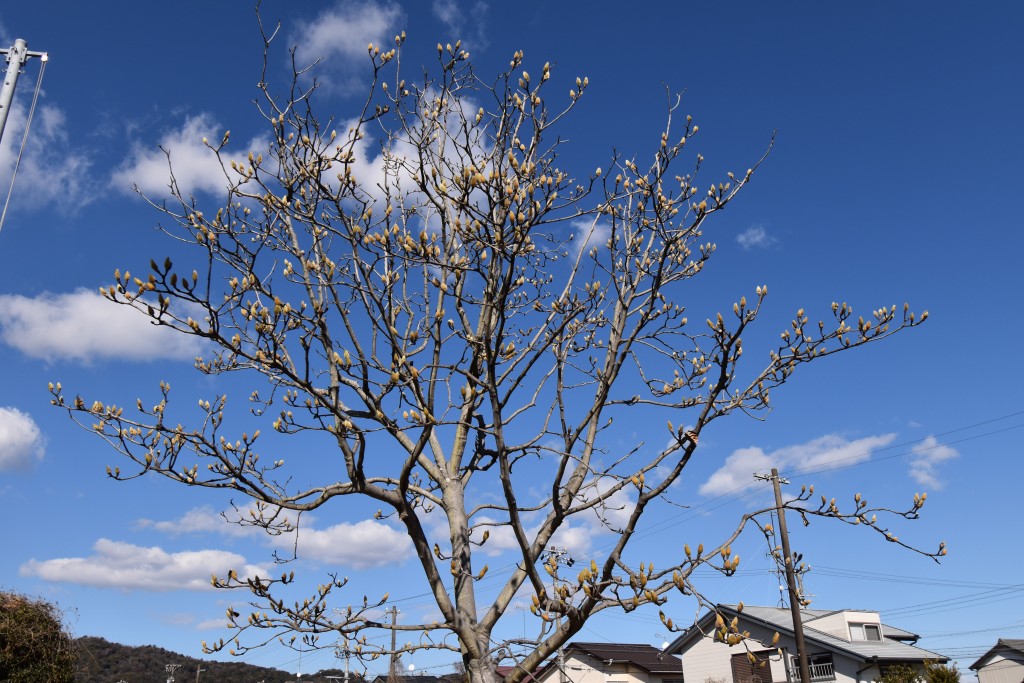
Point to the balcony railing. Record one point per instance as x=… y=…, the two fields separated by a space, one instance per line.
x=819 y=672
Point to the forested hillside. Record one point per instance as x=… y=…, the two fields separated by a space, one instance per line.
x=100 y=661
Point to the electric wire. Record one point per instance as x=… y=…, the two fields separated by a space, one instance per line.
x=745 y=490
x=996 y=592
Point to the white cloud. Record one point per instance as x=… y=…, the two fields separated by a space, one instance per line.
x=926 y=456
x=121 y=565
x=197 y=521
x=21 y=443
x=339 y=37
x=464 y=20
x=582 y=531
x=83 y=326
x=362 y=545
x=51 y=173
x=589 y=233
x=177 y=618
x=755 y=237
x=738 y=471
x=500 y=537
x=195 y=166
x=213 y=624
x=577 y=540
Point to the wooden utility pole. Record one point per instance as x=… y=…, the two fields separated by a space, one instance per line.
x=794 y=598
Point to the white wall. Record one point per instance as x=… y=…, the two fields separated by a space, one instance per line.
x=708 y=659
x=582 y=668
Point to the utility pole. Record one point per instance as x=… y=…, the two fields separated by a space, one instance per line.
x=393 y=667
x=198 y=671
x=340 y=652
x=794 y=599
x=17 y=55
x=347 y=653
x=557 y=556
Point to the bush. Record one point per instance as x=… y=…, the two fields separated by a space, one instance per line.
x=941 y=673
x=34 y=646
x=900 y=673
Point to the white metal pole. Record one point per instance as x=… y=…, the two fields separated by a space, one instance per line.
x=16 y=58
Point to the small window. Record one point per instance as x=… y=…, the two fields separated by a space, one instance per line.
x=866 y=632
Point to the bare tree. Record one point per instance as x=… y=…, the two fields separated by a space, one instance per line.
x=454 y=321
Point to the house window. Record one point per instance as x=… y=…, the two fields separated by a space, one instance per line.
x=865 y=632
x=746 y=671
x=820 y=665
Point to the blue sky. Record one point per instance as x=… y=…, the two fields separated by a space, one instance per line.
x=895 y=177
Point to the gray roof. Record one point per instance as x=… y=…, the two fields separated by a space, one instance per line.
x=898 y=633
x=645 y=656
x=415 y=678
x=780 y=619
x=1002 y=643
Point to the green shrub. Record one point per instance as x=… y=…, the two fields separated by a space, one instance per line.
x=34 y=646
x=941 y=673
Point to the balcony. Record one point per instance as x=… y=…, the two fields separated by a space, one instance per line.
x=823 y=671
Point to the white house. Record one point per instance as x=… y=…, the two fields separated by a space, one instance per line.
x=613 y=663
x=1004 y=663
x=845 y=646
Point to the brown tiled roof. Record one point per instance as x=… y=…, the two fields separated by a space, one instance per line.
x=645 y=656
x=506 y=670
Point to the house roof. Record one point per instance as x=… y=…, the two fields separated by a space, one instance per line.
x=415 y=678
x=898 y=633
x=506 y=670
x=1003 y=643
x=780 y=619
x=647 y=657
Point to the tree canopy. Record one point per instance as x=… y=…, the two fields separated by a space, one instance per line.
x=452 y=320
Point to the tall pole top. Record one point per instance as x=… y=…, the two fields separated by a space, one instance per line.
x=17 y=55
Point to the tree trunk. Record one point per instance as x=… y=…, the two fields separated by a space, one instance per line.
x=481 y=671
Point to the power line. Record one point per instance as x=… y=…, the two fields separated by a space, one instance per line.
x=859 y=457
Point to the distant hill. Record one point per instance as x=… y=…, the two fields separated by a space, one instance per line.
x=100 y=661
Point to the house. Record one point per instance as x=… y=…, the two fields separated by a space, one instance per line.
x=506 y=670
x=845 y=646
x=412 y=678
x=613 y=663
x=1004 y=663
